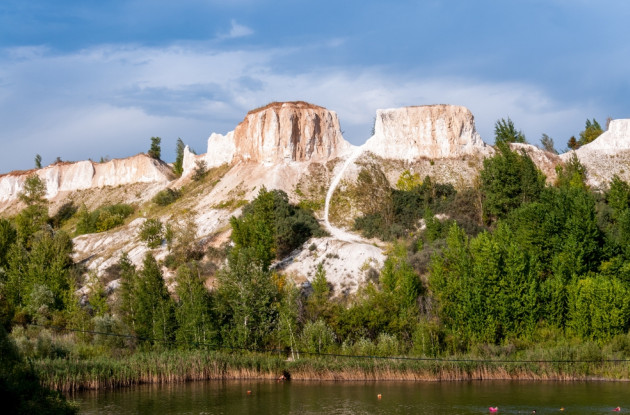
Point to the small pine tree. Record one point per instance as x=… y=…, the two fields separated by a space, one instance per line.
x=505 y=132
x=547 y=143
x=38 y=161
x=155 y=151
x=178 y=165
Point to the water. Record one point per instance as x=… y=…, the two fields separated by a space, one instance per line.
x=344 y=398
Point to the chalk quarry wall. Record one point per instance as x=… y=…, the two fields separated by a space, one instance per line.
x=66 y=176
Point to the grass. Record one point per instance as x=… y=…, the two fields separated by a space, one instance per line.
x=182 y=366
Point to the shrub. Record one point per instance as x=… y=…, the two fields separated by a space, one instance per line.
x=102 y=219
x=152 y=232
x=166 y=197
x=201 y=168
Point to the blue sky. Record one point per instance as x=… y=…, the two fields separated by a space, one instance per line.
x=87 y=79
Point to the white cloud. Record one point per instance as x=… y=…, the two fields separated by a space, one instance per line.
x=237 y=30
x=109 y=100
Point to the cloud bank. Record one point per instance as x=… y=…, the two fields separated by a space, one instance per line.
x=109 y=100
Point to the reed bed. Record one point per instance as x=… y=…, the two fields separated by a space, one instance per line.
x=182 y=366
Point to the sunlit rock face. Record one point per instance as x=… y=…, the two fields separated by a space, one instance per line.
x=281 y=132
x=66 y=176
x=606 y=156
x=289 y=131
x=430 y=131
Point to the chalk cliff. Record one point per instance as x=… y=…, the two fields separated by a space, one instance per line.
x=66 y=176
x=607 y=155
x=281 y=132
x=430 y=131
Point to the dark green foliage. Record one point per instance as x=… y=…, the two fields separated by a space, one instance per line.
x=400 y=211
x=178 y=165
x=38 y=161
x=317 y=304
x=166 y=197
x=508 y=180
x=247 y=301
x=20 y=390
x=126 y=306
x=65 y=213
x=572 y=174
x=40 y=278
x=196 y=322
x=618 y=195
x=200 y=170
x=155 y=150
x=102 y=219
x=152 y=232
x=154 y=309
x=272 y=227
x=8 y=236
x=505 y=132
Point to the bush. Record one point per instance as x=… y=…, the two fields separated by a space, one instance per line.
x=201 y=168
x=102 y=219
x=152 y=232
x=166 y=197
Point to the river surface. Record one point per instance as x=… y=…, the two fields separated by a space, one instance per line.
x=304 y=398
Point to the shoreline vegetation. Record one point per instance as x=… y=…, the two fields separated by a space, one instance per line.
x=182 y=366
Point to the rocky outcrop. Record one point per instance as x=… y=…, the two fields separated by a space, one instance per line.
x=545 y=161
x=66 y=177
x=430 y=131
x=221 y=150
x=289 y=131
x=281 y=132
x=607 y=155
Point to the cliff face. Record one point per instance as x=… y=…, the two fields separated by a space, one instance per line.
x=431 y=131
x=289 y=131
x=66 y=177
x=607 y=155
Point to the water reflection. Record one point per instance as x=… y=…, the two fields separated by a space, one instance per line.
x=343 y=398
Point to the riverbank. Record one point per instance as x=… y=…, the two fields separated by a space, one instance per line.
x=181 y=366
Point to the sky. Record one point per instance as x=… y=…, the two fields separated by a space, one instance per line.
x=86 y=79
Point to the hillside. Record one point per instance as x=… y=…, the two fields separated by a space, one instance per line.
x=298 y=148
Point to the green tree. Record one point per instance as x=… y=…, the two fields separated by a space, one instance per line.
x=178 y=165
x=399 y=279
x=591 y=131
x=155 y=151
x=155 y=315
x=38 y=161
x=34 y=191
x=35 y=216
x=46 y=263
x=618 y=195
x=547 y=143
x=600 y=308
x=318 y=302
x=272 y=227
x=152 y=232
x=126 y=305
x=508 y=180
x=505 y=132
x=572 y=174
x=194 y=309
x=247 y=301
